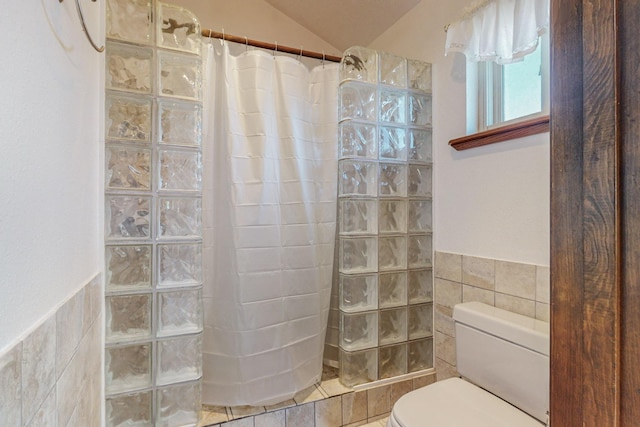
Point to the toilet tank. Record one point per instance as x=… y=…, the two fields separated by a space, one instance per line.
x=505 y=353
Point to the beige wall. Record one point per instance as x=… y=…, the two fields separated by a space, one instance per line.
x=255 y=19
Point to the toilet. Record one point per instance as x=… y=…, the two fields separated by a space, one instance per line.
x=503 y=359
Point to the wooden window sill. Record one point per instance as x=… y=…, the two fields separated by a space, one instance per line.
x=501 y=134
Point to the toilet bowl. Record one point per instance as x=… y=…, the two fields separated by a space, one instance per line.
x=503 y=359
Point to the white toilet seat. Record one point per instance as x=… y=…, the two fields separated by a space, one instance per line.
x=456 y=403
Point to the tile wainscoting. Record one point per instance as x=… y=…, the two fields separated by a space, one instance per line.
x=327 y=404
x=53 y=377
x=520 y=288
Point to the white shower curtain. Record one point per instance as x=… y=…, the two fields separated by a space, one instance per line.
x=270 y=154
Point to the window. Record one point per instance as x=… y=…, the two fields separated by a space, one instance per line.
x=502 y=94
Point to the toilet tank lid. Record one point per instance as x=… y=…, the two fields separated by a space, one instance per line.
x=522 y=330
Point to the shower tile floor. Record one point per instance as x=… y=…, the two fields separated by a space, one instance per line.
x=327 y=404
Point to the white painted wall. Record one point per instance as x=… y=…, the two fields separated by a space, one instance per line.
x=492 y=201
x=255 y=19
x=51 y=164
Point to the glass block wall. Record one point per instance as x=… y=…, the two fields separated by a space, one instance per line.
x=153 y=231
x=385 y=217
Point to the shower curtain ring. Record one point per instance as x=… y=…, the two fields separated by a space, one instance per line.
x=323 y=56
x=300 y=55
x=223 y=36
x=84 y=27
x=275 y=50
x=246 y=44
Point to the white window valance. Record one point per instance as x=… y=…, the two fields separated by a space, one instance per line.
x=502 y=31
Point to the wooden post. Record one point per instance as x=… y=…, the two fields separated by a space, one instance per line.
x=595 y=213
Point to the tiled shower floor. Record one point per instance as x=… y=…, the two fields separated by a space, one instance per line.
x=327 y=404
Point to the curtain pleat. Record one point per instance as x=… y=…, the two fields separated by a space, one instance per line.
x=269 y=216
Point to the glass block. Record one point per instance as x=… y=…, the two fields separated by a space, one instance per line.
x=392 y=289
x=180 y=265
x=419 y=110
x=392 y=361
x=358 y=101
x=357 y=140
x=393 y=143
x=392 y=253
x=128 y=118
x=180 y=217
x=420 y=354
x=392 y=216
x=420 y=286
x=180 y=75
x=129 y=68
x=419 y=251
x=392 y=180
x=179 y=359
x=420 y=145
x=179 y=405
x=392 y=106
x=393 y=326
x=179 y=312
x=180 y=123
x=129 y=20
x=129 y=410
x=358 y=293
x=420 y=321
x=128 y=368
x=358 y=330
x=358 y=255
x=419 y=181
x=357 y=178
x=128 y=168
x=127 y=317
x=393 y=70
x=420 y=216
x=127 y=217
x=180 y=170
x=419 y=75
x=358 y=216
x=128 y=267
x=178 y=28
x=359 y=367
x=359 y=63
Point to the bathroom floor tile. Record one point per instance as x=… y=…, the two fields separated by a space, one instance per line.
x=212 y=415
x=334 y=387
x=329 y=373
x=310 y=394
x=301 y=415
x=328 y=412
x=380 y=421
x=270 y=419
x=245 y=411
x=354 y=408
x=281 y=405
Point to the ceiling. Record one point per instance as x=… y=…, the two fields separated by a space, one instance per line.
x=345 y=23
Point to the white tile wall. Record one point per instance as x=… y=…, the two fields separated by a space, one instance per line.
x=53 y=377
x=11 y=386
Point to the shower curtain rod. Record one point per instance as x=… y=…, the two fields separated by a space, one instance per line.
x=256 y=43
